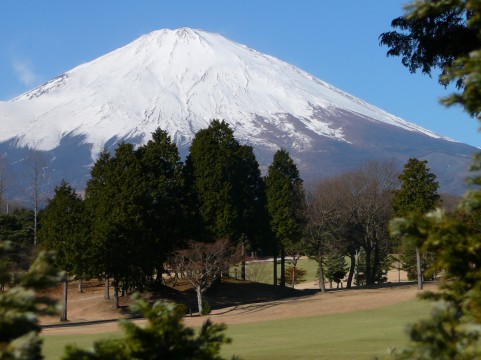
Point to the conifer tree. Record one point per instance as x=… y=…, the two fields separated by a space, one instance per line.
x=336 y=268
x=452 y=331
x=21 y=306
x=417 y=195
x=285 y=203
x=65 y=230
x=225 y=184
x=164 y=202
x=114 y=198
x=212 y=160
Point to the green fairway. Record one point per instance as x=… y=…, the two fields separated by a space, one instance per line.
x=53 y=346
x=355 y=335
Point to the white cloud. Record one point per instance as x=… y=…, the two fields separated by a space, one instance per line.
x=24 y=71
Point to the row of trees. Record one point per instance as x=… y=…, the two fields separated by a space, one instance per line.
x=144 y=209
x=348 y=215
x=142 y=204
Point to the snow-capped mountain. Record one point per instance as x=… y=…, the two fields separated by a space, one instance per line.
x=181 y=79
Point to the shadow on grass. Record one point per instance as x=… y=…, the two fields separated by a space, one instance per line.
x=232 y=292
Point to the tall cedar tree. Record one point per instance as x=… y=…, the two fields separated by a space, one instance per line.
x=417 y=195
x=164 y=203
x=115 y=196
x=225 y=184
x=65 y=230
x=285 y=203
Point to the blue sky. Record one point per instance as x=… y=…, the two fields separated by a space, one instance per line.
x=336 y=41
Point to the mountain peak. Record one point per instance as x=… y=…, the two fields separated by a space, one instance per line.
x=179 y=80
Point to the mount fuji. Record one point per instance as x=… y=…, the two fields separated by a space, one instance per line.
x=179 y=80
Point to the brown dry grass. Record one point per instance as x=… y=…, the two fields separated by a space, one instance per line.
x=234 y=302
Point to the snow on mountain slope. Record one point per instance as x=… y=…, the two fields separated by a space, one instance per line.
x=180 y=80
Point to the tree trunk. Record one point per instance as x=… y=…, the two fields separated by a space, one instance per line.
x=367 y=273
x=106 y=288
x=199 y=299
x=63 y=312
x=116 y=296
x=352 y=268
x=419 y=269
x=283 y=268
x=275 y=269
x=243 y=266
x=322 y=283
x=375 y=265
x=80 y=286
x=293 y=277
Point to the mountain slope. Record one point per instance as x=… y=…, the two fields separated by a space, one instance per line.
x=181 y=79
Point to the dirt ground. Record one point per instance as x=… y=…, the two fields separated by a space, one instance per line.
x=90 y=306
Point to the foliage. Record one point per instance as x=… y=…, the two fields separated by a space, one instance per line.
x=114 y=197
x=206 y=308
x=418 y=192
x=434 y=34
x=336 y=268
x=20 y=307
x=417 y=195
x=456 y=246
x=164 y=337
x=16 y=228
x=295 y=275
x=65 y=230
x=136 y=203
x=224 y=182
x=285 y=203
x=350 y=212
x=454 y=330
x=163 y=200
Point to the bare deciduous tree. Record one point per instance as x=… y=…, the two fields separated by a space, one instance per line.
x=203 y=263
x=350 y=212
x=35 y=166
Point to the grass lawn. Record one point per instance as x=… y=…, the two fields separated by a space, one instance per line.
x=262 y=272
x=53 y=346
x=355 y=335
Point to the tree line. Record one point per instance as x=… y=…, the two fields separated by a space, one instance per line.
x=145 y=213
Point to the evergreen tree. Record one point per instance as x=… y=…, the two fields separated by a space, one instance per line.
x=164 y=203
x=336 y=268
x=432 y=36
x=64 y=229
x=212 y=160
x=417 y=195
x=16 y=228
x=114 y=197
x=418 y=192
x=285 y=203
x=224 y=183
x=452 y=331
x=21 y=306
